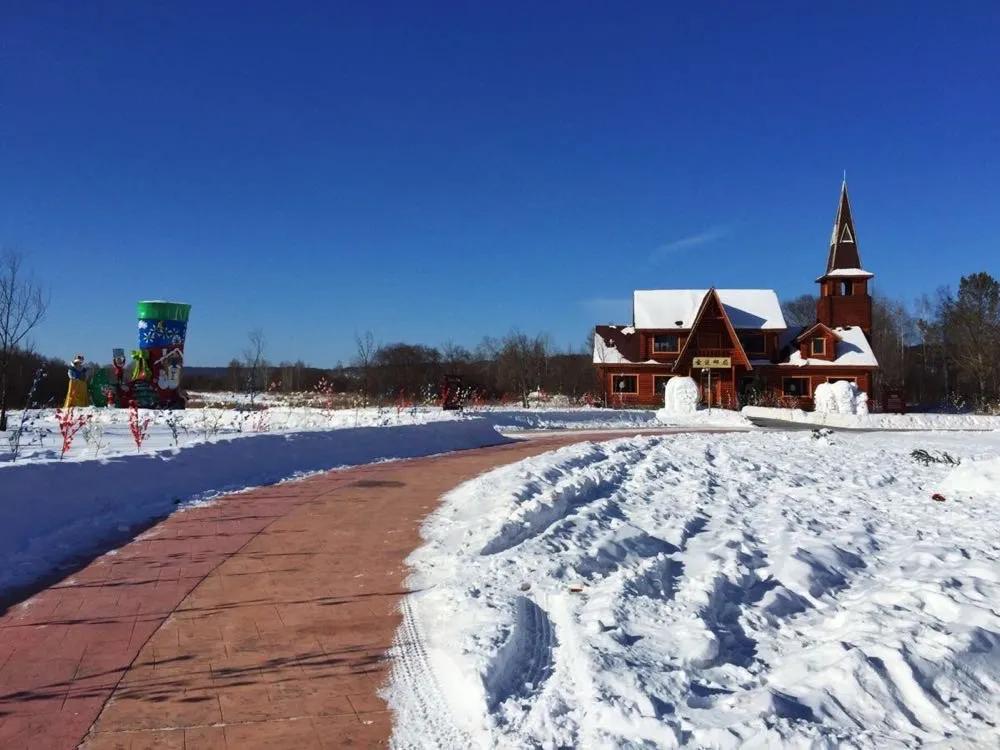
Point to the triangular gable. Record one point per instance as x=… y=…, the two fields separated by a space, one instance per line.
x=817 y=326
x=712 y=299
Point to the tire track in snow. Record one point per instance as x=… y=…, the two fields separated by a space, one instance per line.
x=412 y=672
x=524 y=662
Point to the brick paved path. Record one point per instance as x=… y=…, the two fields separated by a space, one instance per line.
x=261 y=620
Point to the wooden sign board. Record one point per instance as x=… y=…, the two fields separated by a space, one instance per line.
x=713 y=362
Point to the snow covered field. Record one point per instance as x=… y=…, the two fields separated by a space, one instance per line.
x=757 y=590
x=916 y=421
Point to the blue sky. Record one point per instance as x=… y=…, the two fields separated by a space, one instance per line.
x=439 y=171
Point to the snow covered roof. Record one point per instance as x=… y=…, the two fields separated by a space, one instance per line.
x=853 y=349
x=854 y=273
x=676 y=308
x=605 y=353
x=617 y=346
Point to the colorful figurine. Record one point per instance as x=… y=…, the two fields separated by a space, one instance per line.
x=119 y=385
x=76 y=394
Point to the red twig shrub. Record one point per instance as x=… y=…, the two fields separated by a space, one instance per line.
x=138 y=427
x=69 y=425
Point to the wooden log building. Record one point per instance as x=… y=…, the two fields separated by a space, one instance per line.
x=735 y=343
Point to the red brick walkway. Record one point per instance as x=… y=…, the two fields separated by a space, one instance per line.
x=261 y=620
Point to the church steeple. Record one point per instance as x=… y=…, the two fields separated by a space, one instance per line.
x=844 y=239
x=844 y=298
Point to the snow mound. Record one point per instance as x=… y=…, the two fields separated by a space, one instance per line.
x=746 y=590
x=680 y=396
x=840 y=397
x=977 y=478
x=912 y=421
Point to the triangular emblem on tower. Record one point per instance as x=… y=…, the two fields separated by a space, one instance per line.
x=846 y=235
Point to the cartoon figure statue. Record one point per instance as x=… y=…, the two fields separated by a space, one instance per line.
x=118 y=385
x=170 y=364
x=77 y=395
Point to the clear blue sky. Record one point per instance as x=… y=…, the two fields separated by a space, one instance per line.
x=435 y=171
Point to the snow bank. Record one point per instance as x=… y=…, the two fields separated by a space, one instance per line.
x=53 y=513
x=974 y=478
x=754 y=590
x=840 y=397
x=107 y=435
x=878 y=421
x=584 y=418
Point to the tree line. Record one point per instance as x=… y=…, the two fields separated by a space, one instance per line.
x=517 y=367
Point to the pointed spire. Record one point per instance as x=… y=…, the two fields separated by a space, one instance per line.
x=844 y=239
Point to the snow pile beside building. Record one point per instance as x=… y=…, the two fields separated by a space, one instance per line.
x=974 y=478
x=841 y=397
x=753 y=590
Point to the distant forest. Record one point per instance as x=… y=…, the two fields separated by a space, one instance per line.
x=942 y=351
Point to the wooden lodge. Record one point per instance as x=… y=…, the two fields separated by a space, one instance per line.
x=735 y=343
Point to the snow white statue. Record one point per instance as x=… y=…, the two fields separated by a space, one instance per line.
x=76 y=395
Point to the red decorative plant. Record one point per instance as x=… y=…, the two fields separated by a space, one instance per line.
x=69 y=425
x=138 y=427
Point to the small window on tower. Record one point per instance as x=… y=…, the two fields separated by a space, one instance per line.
x=847 y=288
x=819 y=345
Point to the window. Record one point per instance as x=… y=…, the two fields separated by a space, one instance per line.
x=666 y=342
x=660 y=383
x=624 y=383
x=819 y=345
x=798 y=387
x=753 y=343
x=847 y=289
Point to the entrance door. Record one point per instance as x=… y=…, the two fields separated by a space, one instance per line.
x=716 y=387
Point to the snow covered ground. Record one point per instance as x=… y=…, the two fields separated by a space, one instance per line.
x=916 y=421
x=107 y=433
x=758 y=590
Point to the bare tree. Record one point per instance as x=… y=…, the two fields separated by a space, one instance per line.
x=523 y=363
x=367 y=349
x=800 y=311
x=255 y=364
x=22 y=307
